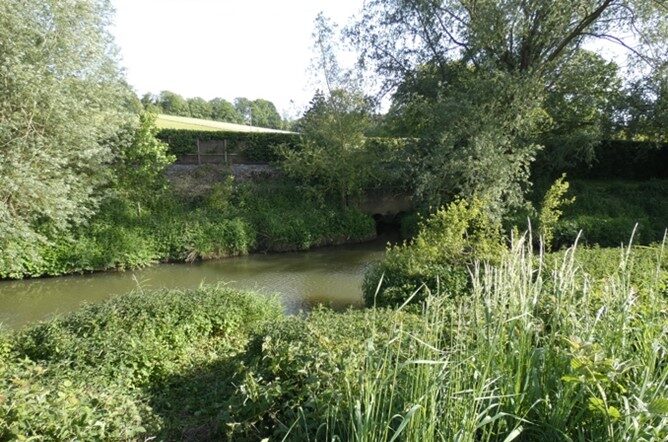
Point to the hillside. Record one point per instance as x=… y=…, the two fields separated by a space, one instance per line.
x=173 y=122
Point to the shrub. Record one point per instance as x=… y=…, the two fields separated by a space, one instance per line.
x=286 y=220
x=530 y=354
x=300 y=374
x=644 y=267
x=88 y=375
x=551 y=209
x=438 y=257
x=607 y=211
x=229 y=221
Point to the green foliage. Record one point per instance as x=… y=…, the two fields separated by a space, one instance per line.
x=475 y=132
x=140 y=165
x=300 y=375
x=198 y=107
x=612 y=160
x=579 y=103
x=551 y=209
x=173 y=104
x=255 y=147
x=643 y=110
x=449 y=242
x=217 y=364
x=264 y=114
x=90 y=375
x=493 y=365
x=223 y=110
x=227 y=221
x=331 y=156
x=607 y=211
x=644 y=268
x=63 y=102
x=483 y=84
x=286 y=220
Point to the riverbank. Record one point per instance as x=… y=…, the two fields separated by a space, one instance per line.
x=218 y=364
x=183 y=225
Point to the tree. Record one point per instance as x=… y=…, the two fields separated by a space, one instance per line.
x=199 y=108
x=223 y=110
x=63 y=100
x=642 y=112
x=264 y=114
x=173 y=104
x=244 y=107
x=140 y=162
x=580 y=98
x=477 y=137
x=332 y=157
x=487 y=65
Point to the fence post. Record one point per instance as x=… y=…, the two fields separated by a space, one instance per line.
x=199 y=158
x=225 y=151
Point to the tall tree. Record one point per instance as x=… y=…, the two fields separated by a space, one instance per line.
x=223 y=110
x=488 y=64
x=244 y=107
x=173 y=104
x=199 y=108
x=642 y=112
x=264 y=114
x=580 y=99
x=63 y=99
x=331 y=156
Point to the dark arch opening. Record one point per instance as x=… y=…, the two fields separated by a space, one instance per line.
x=387 y=224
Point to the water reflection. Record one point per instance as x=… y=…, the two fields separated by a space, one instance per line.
x=330 y=276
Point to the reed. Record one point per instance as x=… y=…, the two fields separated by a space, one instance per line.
x=535 y=352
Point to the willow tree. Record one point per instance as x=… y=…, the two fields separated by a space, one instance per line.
x=63 y=100
x=472 y=75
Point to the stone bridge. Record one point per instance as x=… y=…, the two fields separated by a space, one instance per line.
x=386 y=205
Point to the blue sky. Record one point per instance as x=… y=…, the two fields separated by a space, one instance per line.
x=224 y=48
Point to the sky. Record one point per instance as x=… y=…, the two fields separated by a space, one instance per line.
x=224 y=48
x=232 y=48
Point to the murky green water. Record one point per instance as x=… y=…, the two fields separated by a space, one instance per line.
x=330 y=276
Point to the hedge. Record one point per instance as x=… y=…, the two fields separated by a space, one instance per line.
x=256 y=147
x=620 y=159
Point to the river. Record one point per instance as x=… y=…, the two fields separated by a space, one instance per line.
x=331 y=276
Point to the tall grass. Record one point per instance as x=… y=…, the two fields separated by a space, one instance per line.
x=534 y=353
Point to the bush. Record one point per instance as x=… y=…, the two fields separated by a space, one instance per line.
x=551 y=209
x=286 y=220
x=301 y=374
x=229 y=221
x=607 y=211
x=88 y=375
x=644 y=267
x=569 y=345
x=439 y=257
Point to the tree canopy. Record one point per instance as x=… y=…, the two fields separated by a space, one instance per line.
x=63 y=100
x=485 y=84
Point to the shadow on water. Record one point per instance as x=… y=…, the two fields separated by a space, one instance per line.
x=331 y=276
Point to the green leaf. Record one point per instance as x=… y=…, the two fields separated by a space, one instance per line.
x=658 y=406
x=514 y=434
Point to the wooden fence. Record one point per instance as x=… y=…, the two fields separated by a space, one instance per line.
x=212 y=152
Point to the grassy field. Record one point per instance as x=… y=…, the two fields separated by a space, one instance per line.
x=174 y=122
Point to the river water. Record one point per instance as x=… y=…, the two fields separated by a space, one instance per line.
x=331 y=276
